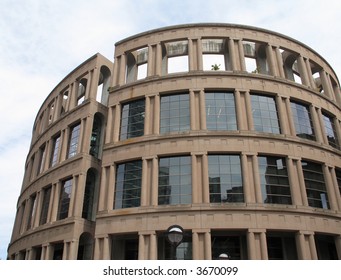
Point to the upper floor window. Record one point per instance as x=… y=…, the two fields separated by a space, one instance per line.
x=315 y=185
x=96 y=133
x=33 y=202
x=45 y=205
x=81 y=91
x=137 y=64
x=42 y=155
x=74 y=139
x=330 y=130
x=214 y=54
x=175 y=180
x=55 y=151
x=302 y=121
x=220 y=111
x=64 y=199
x=132 y=120
x=338 y=178
x=128 y=184
x=274 y=180
x=175 y=57
x=225 y=178
x=175 y=115
x=265 y=116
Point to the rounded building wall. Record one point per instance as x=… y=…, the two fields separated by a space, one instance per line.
x=230 y=131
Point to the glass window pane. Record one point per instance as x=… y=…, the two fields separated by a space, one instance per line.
x=302 y=120
x=132 y=119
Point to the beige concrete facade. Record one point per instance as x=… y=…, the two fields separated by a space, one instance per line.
x=105 y=118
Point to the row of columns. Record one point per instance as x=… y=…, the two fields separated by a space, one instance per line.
x=243 y=115
x=235 y=62
x=201 y=245
x=41 y=160
x=200 y=184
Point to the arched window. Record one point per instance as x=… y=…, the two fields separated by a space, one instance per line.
x=103 y=85
x=85 y=247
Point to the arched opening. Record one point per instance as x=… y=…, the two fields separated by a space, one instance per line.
x=103 y=85
x=291 y=67
x=90 y=193
x=85 y=247
x=137 y=65
x=215 y=54
x=175 y=57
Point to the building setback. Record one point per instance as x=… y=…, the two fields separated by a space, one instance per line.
x=231 y=132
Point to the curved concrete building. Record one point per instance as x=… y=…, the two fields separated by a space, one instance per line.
x=231 y=132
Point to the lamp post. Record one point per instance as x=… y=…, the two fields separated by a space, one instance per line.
x=175 y=235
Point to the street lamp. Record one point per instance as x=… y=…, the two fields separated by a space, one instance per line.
x=175 y=235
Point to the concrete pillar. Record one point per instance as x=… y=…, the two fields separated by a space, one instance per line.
x=153 y=246
x=312 y=246
x=195 y=188
x=155 y=183
x=141 y=253
x=205 y=180
x=37 y=212
x=208 y=246
x=79 y=189
x=303 y=71
x=291 y=125
x=158 y=59
x=294 y=182
x=156 y=129
x=337 y=240
x=280 y=63
x=316 y=124
x=264 y=247
x=202 y=111
x=300 y=245
x=232 y=54
x=251 y=245
x=240 y=113
x=249 y=116
x=195 y=244
x=271 y=60
x=74 y=190
x=256 y=179
x=302 y=183
x=322 y=126
x=109 y=129
x=282 y=115
x=330 y=188
x=106 y=248
x=325 y=84
x=241 y=55
x=110 y=187
x=122 y=69
x=55 y=204
x=103 y=190
x=144 y=190
x=246 y=180
x=337 y=193
x=192 y=109
x=147 y=116
x=97 y=249
x=117 y=122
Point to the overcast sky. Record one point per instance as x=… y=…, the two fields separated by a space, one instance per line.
x=42 y=41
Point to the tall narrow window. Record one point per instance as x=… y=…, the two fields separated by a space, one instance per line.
x=55 y=150
x=274 y=180
x=45 y=206
x=220 y=111
x=42 y=154
x=175 y=180
x=302 y=120
x=225 y=178
x=89 y=192
x=265 y=115
x=73 y=142
x=128 y=185
x=33 y=206
x=175 y=115
x=330 y=130
x=175 y=56
x=338 y=178
x=315 y=185
x=132 y=120
x=64 y=199
x=95 y=140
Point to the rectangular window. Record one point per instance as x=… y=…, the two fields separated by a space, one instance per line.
x=42 y=153
x=338 y=178
x=302 y=121
x=74 y=139
x=132 y=119
x=330 y=130
x=225 y=178
x=274 y=180
x=220 y=111
x=265 y=116
x=175 y=180
x=64 y=199
x=55 y=150
x=45 y=206
x=315 y=185
x=33 y=206
x=128 y=185
x=175 y=115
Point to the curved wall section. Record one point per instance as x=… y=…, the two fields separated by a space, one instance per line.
x=232 y=132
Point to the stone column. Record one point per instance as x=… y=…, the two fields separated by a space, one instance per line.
x=147 y=116
x=280 y=62
x=205 y=180
x=195 y=188
x=300 y=245
x=109 y=129
x=155 y=183
x=106 y=248
x=303 y=71
x=316 y=124
x=192 y=109
x=153 y=246
x=208 y=246
x=141 y=252
x=251 y=245
x=302 y=183
x=110 y=187
x=202 y=112
x=240 y=113
x=312 y=246
x=336 y=188
x=232 y=54
x=122 y=69
x=241 y=55
x=117 y=122
x=330 y=188
x=271 y=60
x=337 y=240
x=249 y=111
x=246 y=179
x=294 y=182
x=292 y=129
x=195 y=244
x=256 y=178
x=282 y=115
